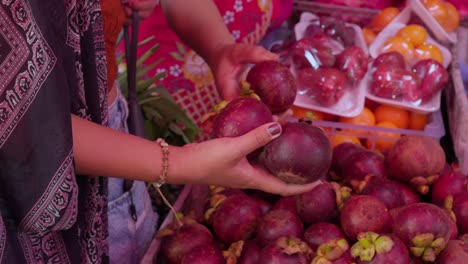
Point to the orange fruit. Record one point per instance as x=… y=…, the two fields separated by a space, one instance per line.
x=418 y=121
x=452 y=21
x=369 y=35
x=383 y=18
x=397 y=116
x=436 y=9
x=339 y=138
x=301 y=112
x=415 y=34
x=365 y=118
x=428 y=51
x=384 y=140
x=401 y=45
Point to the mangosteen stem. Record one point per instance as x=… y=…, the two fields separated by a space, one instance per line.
x=426 y=247
x=168 y=204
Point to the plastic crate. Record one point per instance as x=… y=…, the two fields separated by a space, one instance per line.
x=457 y=101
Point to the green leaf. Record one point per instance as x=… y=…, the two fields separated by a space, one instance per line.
x=145 y=41
x=143 y=70
x=145 y=84
x=181 y=48
x=179 y=131
x=147 y=54
x=176 y=56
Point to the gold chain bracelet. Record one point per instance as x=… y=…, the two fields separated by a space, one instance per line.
x=165 y=162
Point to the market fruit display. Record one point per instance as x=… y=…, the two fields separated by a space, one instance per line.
x=401 y=206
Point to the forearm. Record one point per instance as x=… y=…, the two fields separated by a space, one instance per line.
x=102 y=151
x=199 y=25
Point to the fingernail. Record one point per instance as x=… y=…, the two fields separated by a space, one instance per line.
x=274 y=129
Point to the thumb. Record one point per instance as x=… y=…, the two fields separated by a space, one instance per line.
x=246 y=53
x=258 y=137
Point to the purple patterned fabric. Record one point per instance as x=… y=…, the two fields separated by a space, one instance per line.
x=52 y=65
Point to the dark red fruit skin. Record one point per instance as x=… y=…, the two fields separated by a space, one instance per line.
x=353 y=62
x=320 y=233
x=240 y=116
x=229 y=229
x=346 y=258
x=363 y=213
x=460 y=209
x=278 y=223
x=395 y=83
x=274 y=84
x=433 y=77
x=341 y=153
x=301 y=154
x=204 y=254
x=318 y=204
x=393 y=58
x=274 y=253
x=419 y=218
x=286 y=203
x=250 y=253
x=416 y=159
x=360 y=167
x=264 y=205
x=172 y=246
x=321 y=55
x=391 y=193
x=450 y=183
x=397 y=255
x=455 y=252
x=325 y=85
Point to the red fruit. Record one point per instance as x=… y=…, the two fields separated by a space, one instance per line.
x=455 y=252
x=390 y=192
x=274 y=84
x=286 y=203
x=174 y=238
x=364 y=213
x=460 y=209
x=301 y=154
x=250 y=253
x=308 y=53
x=434 y=77
x=240 y=116
x=229 y=229
x=341 y=152
x=278 y=223
x=321 y=40
x=392 y=58
x=360 y=167
x=318 y=204
x=417 y=160
x=204 y=254
x=325 y=85
x=423 y=227
x=353 y=62
x=395 y=83
x=286 y=250
x=448 y=184
x=243 y=252
x=373 y=248
x=320 y=233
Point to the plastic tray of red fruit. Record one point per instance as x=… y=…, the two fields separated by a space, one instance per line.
x=327 y=59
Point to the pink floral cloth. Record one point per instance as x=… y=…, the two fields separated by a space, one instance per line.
x=188 y=77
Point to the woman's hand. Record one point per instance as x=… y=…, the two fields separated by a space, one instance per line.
x=223 y=162
x=143 y=7
x=228 y=63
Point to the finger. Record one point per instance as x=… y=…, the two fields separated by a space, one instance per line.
x=257 y=138
x=229 y=89
x=245 y=53
x=266 y=182
x=143 y=5
x=144 y=14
